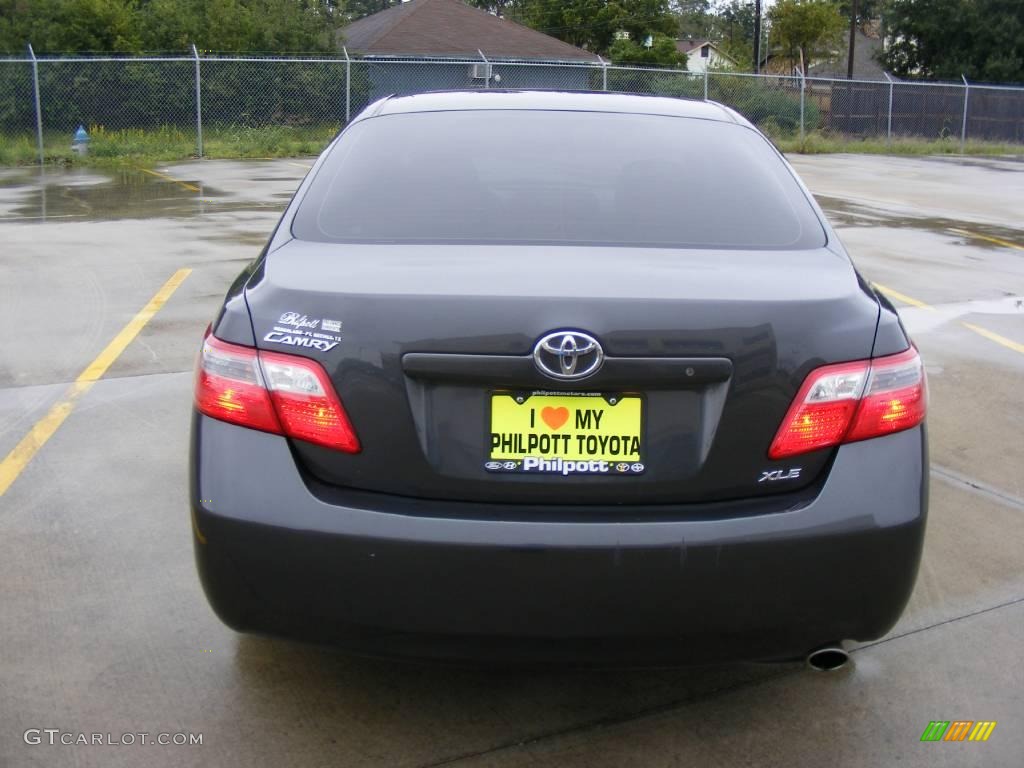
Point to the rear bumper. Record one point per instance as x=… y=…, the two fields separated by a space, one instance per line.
x=274 y=558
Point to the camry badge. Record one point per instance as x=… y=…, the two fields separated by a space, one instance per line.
x=568 y=355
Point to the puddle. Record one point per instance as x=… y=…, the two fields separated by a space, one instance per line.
x=55 y=195
x=844 y=213
x=919 y=320
x=11 y=178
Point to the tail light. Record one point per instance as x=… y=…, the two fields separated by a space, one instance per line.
x=284 y=394
x=854 y=401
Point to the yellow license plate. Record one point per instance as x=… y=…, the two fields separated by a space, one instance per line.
x=566 y=434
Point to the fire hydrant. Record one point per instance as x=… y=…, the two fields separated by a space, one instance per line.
x=80 y=143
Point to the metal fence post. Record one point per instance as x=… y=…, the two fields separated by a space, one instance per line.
x=888 y=129
x=39 y=108
x=487 y=69
x=803 y=92
x=348 y=85
x=604 y=73
x=706 y=75
x=963 y=126
x=199 y=104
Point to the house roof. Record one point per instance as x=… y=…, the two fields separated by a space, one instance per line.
x=686 y=46
x=449 y=28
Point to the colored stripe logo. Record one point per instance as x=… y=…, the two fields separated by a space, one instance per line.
x=958 y=730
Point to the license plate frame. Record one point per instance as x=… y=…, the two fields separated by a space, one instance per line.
x=508 y=448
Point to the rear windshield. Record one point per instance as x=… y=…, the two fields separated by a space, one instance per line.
x=549 y=177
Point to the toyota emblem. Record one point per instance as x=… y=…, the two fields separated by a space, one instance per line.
x=568 y=355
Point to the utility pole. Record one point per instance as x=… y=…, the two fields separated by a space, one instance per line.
x=757 y=36
x=854 y=10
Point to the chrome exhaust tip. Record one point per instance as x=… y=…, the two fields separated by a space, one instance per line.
x=827 y=658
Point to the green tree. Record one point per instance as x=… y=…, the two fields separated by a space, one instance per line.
x=69 y=25
x=356 y=9
x=982 y=39
x=212 y=25
x=867 y=10
x=734 y=29
x=643 y=18
x=807 y=30
x=662 y=52
x=238 y=26
x=590 y=24
x=696 y=21
x=133 y=26
x=497 y=7
x=859 y=12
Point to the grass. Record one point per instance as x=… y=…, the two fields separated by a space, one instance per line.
x=818 y=143
x=134 y=146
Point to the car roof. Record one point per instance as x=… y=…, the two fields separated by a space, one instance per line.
x=575 y=101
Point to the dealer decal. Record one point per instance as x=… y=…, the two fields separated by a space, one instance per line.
x=296 y=320
x=295 y=329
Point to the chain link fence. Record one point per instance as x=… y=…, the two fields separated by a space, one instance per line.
x=188 y=96
x=17 y=111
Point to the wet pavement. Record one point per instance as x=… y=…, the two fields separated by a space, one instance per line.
x=105 y=629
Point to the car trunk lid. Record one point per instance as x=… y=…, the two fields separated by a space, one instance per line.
x=425 y=343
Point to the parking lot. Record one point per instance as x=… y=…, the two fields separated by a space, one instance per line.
x=105 y=629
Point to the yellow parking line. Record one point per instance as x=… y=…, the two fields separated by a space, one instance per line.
x=299 y=165
x=902 y=297
x=992 y=336
x=985 y=332
x=996 y=240
x=165 y=177
x=44 y=429
x=195 y=528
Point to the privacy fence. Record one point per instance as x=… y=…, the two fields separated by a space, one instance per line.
x=51 y=97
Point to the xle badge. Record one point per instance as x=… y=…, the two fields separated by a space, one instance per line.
x=779 y=474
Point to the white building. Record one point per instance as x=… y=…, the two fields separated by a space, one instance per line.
x=704 y=54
